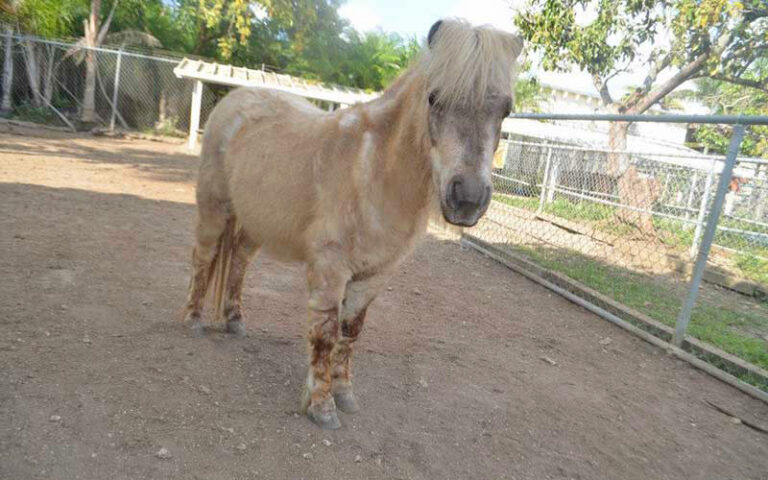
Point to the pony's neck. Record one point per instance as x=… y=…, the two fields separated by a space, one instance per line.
x=401 y=115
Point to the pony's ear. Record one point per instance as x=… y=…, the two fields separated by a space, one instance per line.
x=515 y=45
x=432 y=31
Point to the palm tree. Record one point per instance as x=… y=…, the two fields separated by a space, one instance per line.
x=7 y=12
x=5 y=104
x=37 y=17
x=95 y=36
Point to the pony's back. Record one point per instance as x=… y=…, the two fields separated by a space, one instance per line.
x=257 y=161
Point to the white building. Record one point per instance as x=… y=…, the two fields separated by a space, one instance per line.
x=559 y=98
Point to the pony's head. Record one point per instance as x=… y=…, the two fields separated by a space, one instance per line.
x=468 y=73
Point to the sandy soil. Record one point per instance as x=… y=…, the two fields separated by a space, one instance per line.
x=464 y=370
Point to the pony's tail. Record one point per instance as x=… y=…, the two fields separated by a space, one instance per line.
x=222 y=264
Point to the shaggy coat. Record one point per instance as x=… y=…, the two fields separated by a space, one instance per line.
x=347 y=192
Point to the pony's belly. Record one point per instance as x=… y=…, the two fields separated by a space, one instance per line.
x=277 y=235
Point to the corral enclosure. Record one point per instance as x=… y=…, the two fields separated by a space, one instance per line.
x=554 y=207
x=467 y=370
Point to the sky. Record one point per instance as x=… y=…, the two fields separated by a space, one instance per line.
x=414 y=17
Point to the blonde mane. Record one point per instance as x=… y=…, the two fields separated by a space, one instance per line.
x=462 y=64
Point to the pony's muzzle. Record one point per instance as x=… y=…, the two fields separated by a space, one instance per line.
x=466 y=199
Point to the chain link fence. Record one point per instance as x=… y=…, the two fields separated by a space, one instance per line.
x=663 y=200
x=629 y=239
x=133 y=91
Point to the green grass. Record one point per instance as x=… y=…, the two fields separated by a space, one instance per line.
x=753 y=268
x=580 y=211
x=584 y=211
x=28 y=113
x=527 y=203
x=675 y=234
x=719 y=325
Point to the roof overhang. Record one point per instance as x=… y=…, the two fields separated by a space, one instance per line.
x=245 y=77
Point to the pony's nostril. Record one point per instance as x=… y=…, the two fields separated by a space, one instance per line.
x=457 y=191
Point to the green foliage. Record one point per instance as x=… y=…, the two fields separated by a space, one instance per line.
x=620 y=26
x=29 y=113
x=731 y=99
x=51 y=18
x=528 y=94
x=369 y=61
x=302 y=37
x=707 y=38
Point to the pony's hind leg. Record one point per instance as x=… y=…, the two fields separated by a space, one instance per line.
x=359 y=294
x=244 y=250
x=210 y=226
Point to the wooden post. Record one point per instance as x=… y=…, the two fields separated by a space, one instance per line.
x=194 y=113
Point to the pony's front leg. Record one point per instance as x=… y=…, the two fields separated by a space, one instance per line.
x=326 y=289
x=359 y=294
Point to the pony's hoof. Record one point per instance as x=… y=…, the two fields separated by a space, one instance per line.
x=323 y=418
x=346 y=402
x=195 y=324
x=236 y=328
x=197 y=329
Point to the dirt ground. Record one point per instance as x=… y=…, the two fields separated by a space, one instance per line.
x=464 y=370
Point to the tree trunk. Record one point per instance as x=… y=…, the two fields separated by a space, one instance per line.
x=5 y=104
x=636 y=192
x=618 y=162
x=91 y=34
x=33 y=73
x=89 y=94
x=48 y=84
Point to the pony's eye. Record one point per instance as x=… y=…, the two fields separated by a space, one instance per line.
x=432 y=98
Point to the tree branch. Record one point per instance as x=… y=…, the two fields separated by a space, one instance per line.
x=745 y=82
x=641 y=104
x=105 y=26
x=660 y=64
x=602 y=87
x=685 y=73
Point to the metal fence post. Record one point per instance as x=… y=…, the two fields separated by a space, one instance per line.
x=115 y=90
x=553 y=172
x=691 y=191
x=702 y=210
x=709 y=234
x=544 y=180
